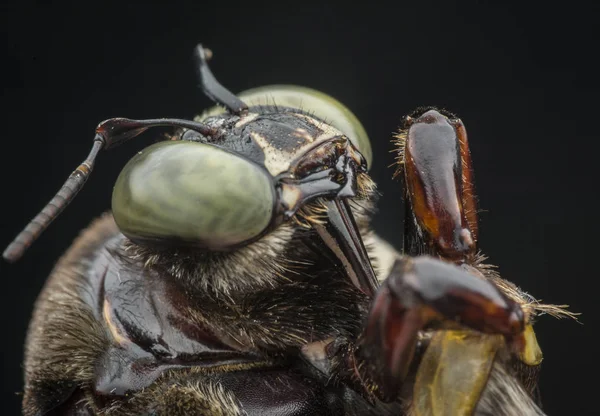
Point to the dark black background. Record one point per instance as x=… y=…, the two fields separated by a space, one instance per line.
x=522 y=77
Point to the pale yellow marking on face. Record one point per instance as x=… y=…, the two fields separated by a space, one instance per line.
x=246 y=119
x=290 y=196
x=303 y=134
x=327 y=135
x=278 y=161
x=328 y=132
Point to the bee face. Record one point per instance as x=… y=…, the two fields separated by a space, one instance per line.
x=223 y=190
x=255 y=175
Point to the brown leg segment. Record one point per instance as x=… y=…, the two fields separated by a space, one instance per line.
x=418 y=292
x=435 y=163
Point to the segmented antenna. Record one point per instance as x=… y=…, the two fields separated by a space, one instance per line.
x=62 y=198
x=213 y=88
x=109 y=133
x=113 y=132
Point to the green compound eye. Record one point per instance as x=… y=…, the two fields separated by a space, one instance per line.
x=321 y=105
x=193 y=192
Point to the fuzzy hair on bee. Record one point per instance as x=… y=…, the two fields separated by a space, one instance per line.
x=237 y=273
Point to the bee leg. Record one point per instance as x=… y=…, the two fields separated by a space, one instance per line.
x=420 y=291
x=434 y=164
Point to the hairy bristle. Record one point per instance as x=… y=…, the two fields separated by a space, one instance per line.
x=504 y=395
x=366 y=187
x=399 y=142
x=314 y=212
x=531 y=306
x=260 y=264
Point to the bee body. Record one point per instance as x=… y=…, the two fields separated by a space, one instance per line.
x=83 y=326
x=237 y=273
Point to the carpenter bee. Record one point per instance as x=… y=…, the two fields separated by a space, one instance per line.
x=237 y=274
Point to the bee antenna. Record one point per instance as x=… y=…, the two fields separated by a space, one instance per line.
x=62 y=198
x=109 y=133
x=212 y=88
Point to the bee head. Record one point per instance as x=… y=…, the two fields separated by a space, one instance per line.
x=270 y=169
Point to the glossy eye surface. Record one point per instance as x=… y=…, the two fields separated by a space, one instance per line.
x=192 y=192
x=315 y=102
